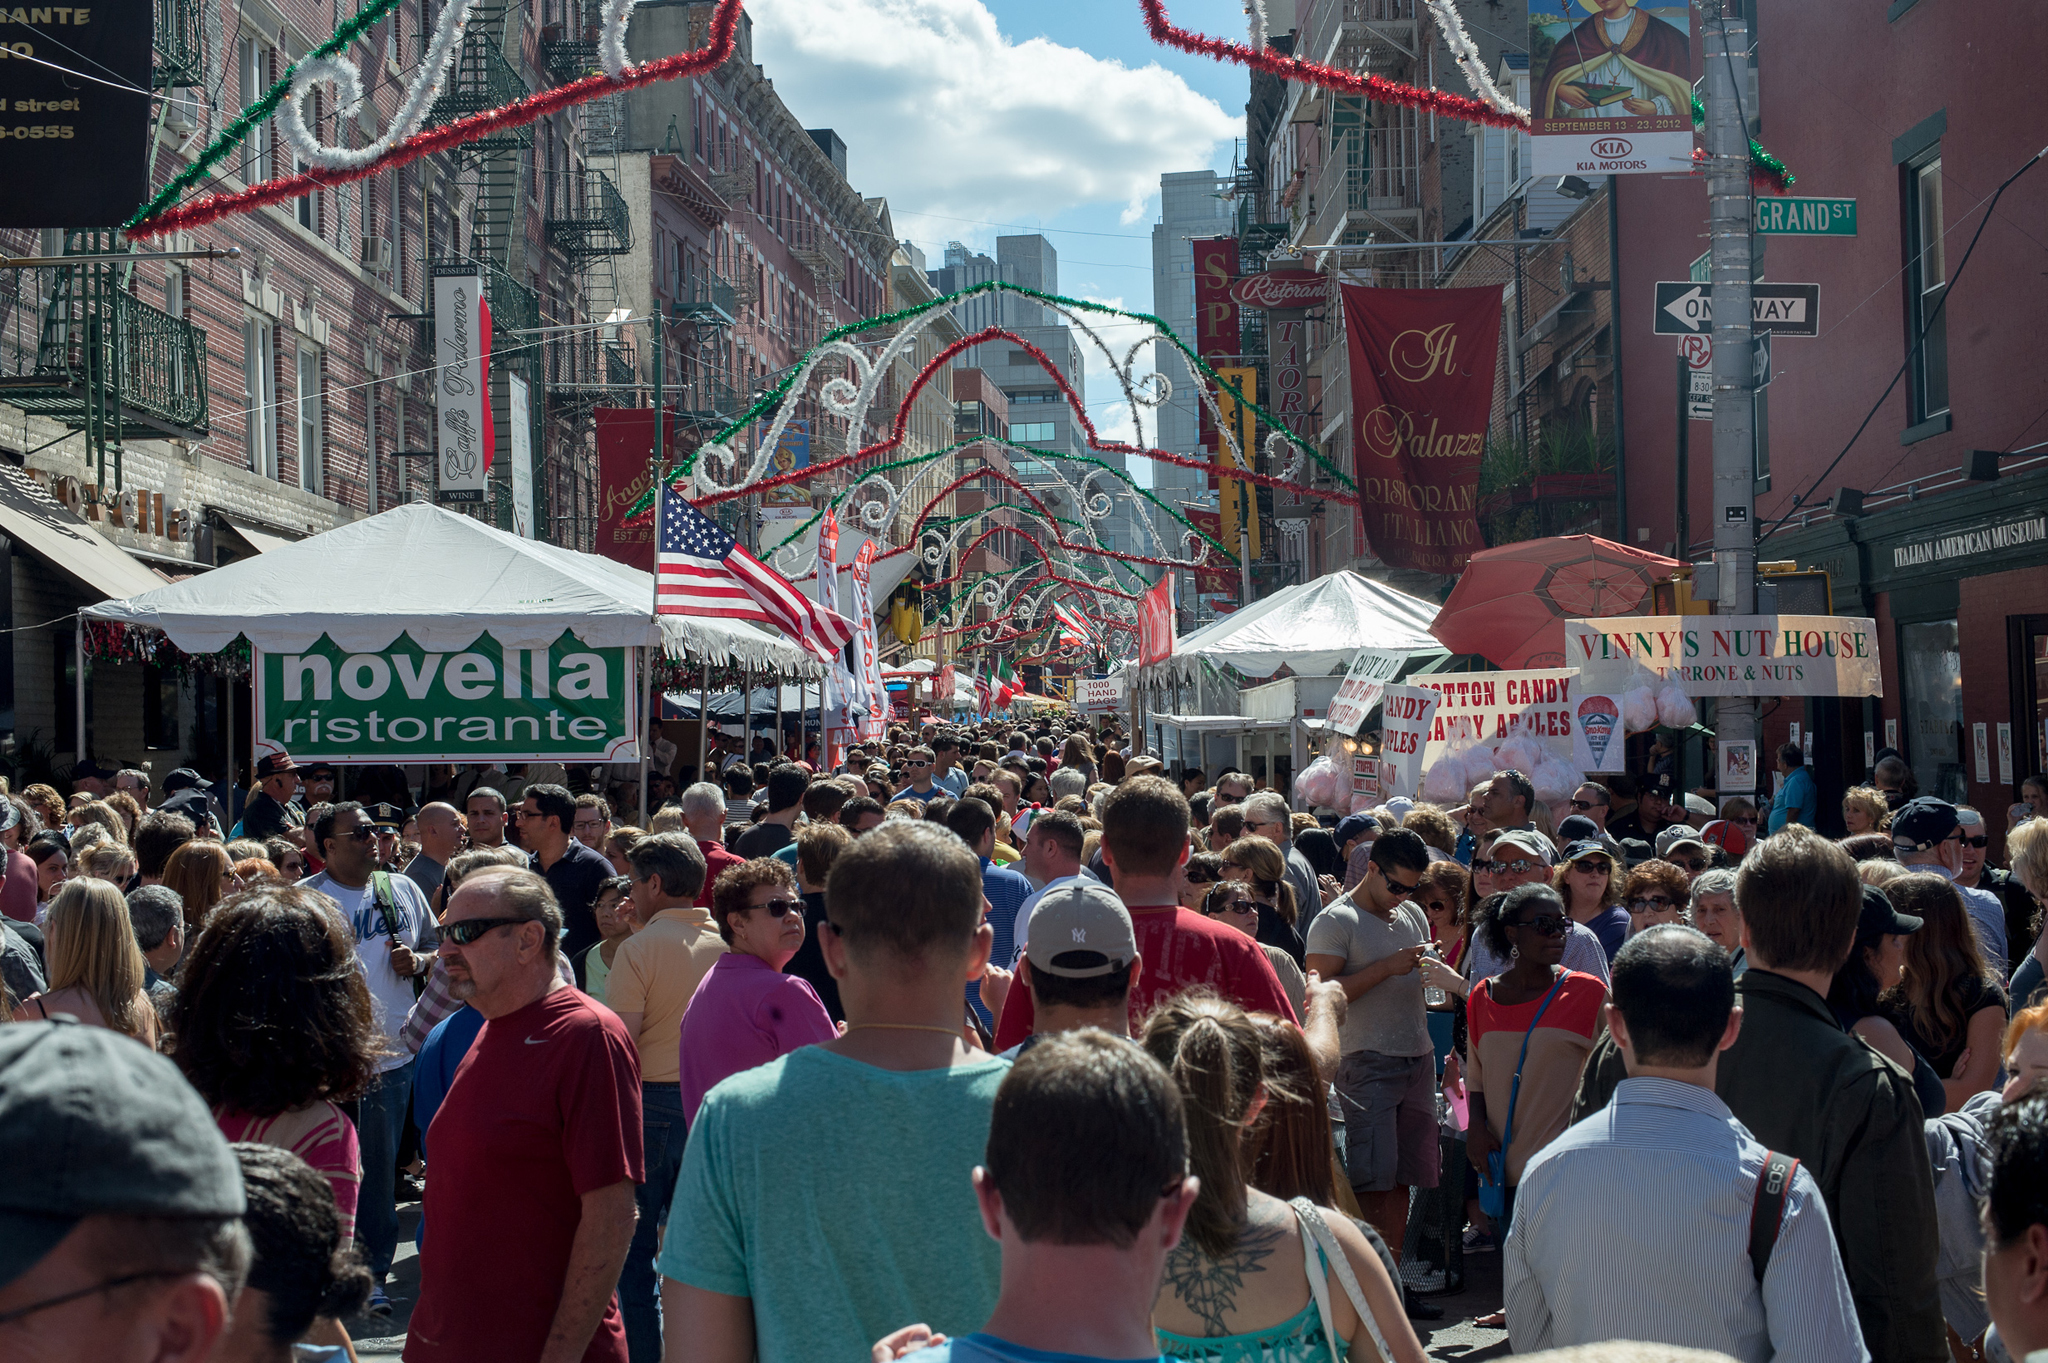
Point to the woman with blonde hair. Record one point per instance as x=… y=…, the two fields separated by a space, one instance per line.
x=2026 y=852
x=96 y=969
x=1276 y=1308
x=1948 y=1005
x=46 y=802
x=101 y=813
x=111 y=863
x=1864 y=810
x=1258 y=863
x=201 y=874
x=124 y=805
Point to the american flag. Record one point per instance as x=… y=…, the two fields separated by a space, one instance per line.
x=701 y=570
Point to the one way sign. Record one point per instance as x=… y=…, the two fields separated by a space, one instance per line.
x=1687 y=309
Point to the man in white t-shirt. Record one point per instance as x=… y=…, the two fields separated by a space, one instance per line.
x=395 y=940
x=1052 y=858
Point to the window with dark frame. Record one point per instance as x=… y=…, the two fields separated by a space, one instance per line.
x=1926 y=284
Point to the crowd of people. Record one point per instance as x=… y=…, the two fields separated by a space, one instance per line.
x=995 y=1043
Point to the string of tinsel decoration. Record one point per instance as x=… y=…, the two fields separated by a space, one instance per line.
x=1466 y=53
x=773 y=399
x=1765 y=170
x=347 y=82
x=1376 y=88
x=118 y=642
x=154 y=220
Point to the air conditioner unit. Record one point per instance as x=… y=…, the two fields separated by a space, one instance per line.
x=375 y=255
x=183 y=112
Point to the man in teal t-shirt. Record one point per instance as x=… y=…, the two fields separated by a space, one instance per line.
x=825 y=1198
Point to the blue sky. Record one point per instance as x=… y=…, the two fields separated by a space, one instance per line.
x=978 y=118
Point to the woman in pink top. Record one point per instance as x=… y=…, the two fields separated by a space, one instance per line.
x=746 y=1012
x=274 y=1028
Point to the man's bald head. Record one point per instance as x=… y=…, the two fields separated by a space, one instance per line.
x=441 y=831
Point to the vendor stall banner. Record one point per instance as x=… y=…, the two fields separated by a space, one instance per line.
x=1099 y=693
x=1729 y=655
x=566 y=703
x=1406 y=718
x=1610 y=96
x=1155 y=623
x=1422 y=367
x=1598 y=734
x=462 y=388
x=1486 y=707
x=625 y=449
x=867 y=650
x=1370 y=671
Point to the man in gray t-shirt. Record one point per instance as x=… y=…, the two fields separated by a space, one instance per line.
x=1370 y=942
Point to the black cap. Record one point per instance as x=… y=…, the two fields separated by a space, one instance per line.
x=387 y=816
x=1923 y=823
x=1576 y=827
x=1637 y=851
x=1877 y=915
x=184 y=778
x=315 y=768
x=1354 y=826
x=86 y=767
x=93 y=1124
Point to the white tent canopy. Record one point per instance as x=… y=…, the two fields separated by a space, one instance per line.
x=1313 y=628
x=444 y=579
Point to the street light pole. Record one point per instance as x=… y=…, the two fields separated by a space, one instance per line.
x=1729 y=217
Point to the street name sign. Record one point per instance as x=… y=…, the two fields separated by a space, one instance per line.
x=1790 y=217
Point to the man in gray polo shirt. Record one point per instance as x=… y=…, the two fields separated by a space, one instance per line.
x=1370 y=942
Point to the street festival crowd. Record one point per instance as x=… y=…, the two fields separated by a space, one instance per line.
x=1001 y=1043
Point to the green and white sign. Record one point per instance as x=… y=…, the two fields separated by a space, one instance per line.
x=1786 y=217
x=566 y=703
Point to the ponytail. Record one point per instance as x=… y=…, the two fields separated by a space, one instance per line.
x=1211 y=1047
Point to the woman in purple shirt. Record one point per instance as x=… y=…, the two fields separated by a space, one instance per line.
x=746 y=1012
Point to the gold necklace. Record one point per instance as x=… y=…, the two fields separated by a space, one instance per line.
x=953 y=1032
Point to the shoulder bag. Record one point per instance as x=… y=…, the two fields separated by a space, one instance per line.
x=1493 y=1183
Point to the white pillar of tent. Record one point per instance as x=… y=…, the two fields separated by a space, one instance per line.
x=703 y=716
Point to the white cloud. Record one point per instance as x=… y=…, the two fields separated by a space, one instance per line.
x=943 y=113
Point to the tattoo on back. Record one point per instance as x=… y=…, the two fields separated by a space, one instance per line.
x=1209 y=1287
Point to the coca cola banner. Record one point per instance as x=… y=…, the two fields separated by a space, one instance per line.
x=1422 y=366
x=1281 y=290
x=1155 y=623
x=625 y=447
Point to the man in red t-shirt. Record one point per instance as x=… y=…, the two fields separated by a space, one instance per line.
x=1145 y=843
x=704 y=816
x=535 y=1152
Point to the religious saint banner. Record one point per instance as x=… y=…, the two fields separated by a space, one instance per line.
x=1610 y=87
x=1422 y=365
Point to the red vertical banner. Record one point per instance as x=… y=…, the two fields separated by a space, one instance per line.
x=1155 y=623
x=1422 y=366
x=1217 y=576
x=1217 y=339
x=625 y=448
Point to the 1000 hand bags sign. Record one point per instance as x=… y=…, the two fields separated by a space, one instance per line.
x=568 y=702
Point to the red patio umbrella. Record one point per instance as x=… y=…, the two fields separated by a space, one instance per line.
x=1511 y=603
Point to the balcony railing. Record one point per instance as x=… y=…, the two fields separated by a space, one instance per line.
x=568 y=44
x=482 y=79
x=582 y=363
x=708 y=301
x=106 y=354
x=180 y=53
x=707 y=399
x=590 y=219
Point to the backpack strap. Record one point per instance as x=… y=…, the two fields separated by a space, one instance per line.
x=387 y=902
x=1767 y=1212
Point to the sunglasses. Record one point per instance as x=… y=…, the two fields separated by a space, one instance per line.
x=780 y=907
x=1515 y=867
x=1549 y=924
x=1232 y=906
x=1648 y=903
x=1594 y=865
x=468 y=930
x=1693 y=864
x=917 y=764
x=1405 y=887
x=1979 y=841
x=1582 y=804
x=364 y=832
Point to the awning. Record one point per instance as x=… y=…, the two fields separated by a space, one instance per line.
x=49 y=529
x=261 y=538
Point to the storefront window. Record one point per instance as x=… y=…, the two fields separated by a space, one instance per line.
x=1931 y=671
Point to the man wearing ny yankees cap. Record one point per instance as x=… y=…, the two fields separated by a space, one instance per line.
x=1080 y=965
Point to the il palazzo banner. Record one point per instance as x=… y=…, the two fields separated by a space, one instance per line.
x=1422 y=364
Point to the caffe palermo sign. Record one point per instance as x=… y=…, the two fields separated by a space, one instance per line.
x=1281 y=290
x=566 y=703
x=1728 y=655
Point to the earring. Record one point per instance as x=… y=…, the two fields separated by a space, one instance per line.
x=1514 y=953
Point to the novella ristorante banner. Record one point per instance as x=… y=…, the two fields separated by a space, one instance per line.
x=1422 y=363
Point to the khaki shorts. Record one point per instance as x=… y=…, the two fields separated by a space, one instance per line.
x=1390 y=1127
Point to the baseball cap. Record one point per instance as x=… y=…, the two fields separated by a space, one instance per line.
x=10 y=815
x=1878 y=915
x=1577 y=828
x=93 y=1124
x=1081 y=916
x=318 y=768
x=184 y=778
x=1727 y=836
x=1399 y=806
x=1699 y=804
x=1355 y=825
x=87 y=769
x=1529 y=841
x=1923 y=823
x=1584 y=847
x=386 y=816
x=1637 y=851
x=1678 y=835
x=272 y=759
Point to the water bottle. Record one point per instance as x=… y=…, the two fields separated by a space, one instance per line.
x=1433 y=996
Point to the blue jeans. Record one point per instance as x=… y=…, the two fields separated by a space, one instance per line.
x=661 y=1110
x=380 y=1120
